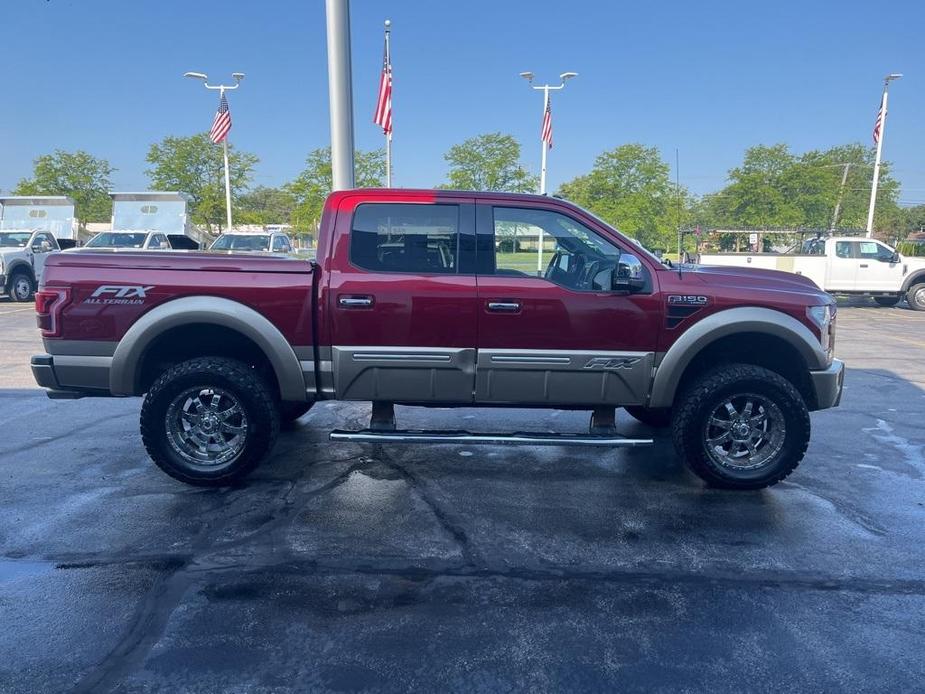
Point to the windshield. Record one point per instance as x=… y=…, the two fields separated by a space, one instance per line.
x=636 y=242
x=14 y=239
x=109 y=239
x=240 y=242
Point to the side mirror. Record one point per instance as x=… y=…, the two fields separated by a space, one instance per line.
x=895 y=259
x=164 y=244
x=628 y=276
x=41 y=247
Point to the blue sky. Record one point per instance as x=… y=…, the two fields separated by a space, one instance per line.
x=709 y=78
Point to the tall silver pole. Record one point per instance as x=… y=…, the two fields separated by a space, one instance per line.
x=227 y=185
x=340 y=93
x=539 y=251
x=543 y=142
x=875 y=183
x=388 y=135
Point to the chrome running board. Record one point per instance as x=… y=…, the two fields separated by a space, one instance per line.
x=466 y=437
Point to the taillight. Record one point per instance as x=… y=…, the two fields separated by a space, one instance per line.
x=48 y=304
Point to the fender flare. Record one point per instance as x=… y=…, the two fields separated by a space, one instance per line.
x=745 y=319
x=18 y=264
x=915 y=277
x=208 y=310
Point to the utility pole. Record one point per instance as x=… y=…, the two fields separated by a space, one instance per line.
x=222 y=88
x=546 y=88
x=340 y=93
x=841 y=192
x=879 y=132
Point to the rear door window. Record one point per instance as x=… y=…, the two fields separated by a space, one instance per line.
x=419 y=239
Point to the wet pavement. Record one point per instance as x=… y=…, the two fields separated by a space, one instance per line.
x=343 y=567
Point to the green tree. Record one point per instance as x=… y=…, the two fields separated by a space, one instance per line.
x=630 y=188
x=265 y=205
x=313 y=185
x=79 y=175
x=488 y=162
x=195 y=166
x=775 y=188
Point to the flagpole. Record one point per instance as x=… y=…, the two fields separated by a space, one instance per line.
x=227 y=184
x=388 y=135
x=874 y=184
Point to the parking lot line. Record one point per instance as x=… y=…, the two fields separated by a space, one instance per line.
x=17 y=310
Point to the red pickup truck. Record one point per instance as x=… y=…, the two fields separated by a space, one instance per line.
x=440 y=298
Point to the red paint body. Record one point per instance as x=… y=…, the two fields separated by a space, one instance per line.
x=436 y=310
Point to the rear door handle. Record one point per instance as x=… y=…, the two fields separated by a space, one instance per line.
x=504 y=306
x=355 y=301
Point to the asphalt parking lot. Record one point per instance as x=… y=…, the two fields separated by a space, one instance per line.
x=341 y=567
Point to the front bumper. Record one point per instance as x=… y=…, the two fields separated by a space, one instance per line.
x=828 y=385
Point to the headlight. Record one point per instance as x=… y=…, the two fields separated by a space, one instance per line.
x=823 y=317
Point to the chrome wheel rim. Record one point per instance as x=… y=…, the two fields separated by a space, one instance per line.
x=744 y=432
x=22 y=288
x=206 y=426
x=919 y=297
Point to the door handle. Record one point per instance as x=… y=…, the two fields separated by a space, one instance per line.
x=355 y=301
x=504 y=306
x=863 y=264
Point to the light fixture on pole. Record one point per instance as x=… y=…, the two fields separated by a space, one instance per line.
x=222 y=88
x=879 y=127
x=545 y=138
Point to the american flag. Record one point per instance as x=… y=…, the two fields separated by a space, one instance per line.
x=383 y=115
x=878 y=124
x=221 y=124
x=547 y=124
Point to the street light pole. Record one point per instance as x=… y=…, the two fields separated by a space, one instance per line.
x=876 y=181
x=222 y=88
x=546 y=88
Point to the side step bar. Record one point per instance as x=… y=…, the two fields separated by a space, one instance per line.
x=466 y=437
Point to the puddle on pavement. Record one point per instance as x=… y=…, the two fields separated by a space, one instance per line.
x=15 y=569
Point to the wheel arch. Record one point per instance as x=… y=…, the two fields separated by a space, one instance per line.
x=20 y=265
x=728 y=327
x=916 y=277
x=126 y=373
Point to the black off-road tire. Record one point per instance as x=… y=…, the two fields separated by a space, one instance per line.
x=698 y=402
x=658 y=418
x=887 y=301
x=252 y=392
x=291 y=411
x=19 y=281
x=915 y=297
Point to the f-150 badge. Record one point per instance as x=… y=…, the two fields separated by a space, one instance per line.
x=688 y=300
x=119 y=294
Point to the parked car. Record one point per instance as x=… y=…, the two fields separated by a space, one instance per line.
x=844 y=265
x=22 y=259
x=411 y=302
x=270 y=242
x=135 y=240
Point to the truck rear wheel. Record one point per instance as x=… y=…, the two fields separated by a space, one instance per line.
x=21 y=287
x=209 y=421
x=657 y=418
x=886 y=301
x=915 y=297
x=741 y=427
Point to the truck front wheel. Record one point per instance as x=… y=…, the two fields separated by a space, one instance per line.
x=741 y=427
x=21 y=287
x=915 y=297
x=209 y=421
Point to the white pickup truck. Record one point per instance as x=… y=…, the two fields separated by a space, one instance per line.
x=844 y=265
x=22 y=259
